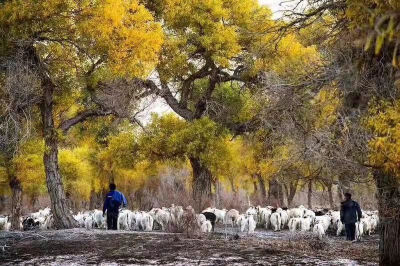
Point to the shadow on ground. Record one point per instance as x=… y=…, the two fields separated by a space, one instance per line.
x=82 y=247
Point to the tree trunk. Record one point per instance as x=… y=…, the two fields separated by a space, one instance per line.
x=275 y=193
x=309 y=194
x=388 y=192
x=33 y=200
x=233 y=186
x=16 y=203
x=330 y=195
x=202 y=181
x=217 y=194
x=291 y=192
x=2 y=202
x=93 y=200
x=263 y=191
x=62 y=216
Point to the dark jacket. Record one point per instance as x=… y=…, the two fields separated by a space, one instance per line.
x=114 y=199
x=350 y=212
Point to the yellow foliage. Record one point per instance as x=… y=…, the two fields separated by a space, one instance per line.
x=384 y=147
x=72 y=35
x=77 y=171
x=29 y=168
x=325 y=107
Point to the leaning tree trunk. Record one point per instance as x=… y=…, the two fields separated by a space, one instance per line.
x=61 y=213
x=16 y=203
x=202 y=181
x=389 y=216
x=309 y=194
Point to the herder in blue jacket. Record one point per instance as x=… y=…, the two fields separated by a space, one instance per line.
x=114 y=200
x=350 y=213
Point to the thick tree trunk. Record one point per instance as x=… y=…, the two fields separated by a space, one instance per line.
x=62 y=216
x=263 y=191
x=16 y=203
x=309 y=195
x=202 y=181
x=275 y=193
x=389 y=216
x=330 y=195
x=291 y=192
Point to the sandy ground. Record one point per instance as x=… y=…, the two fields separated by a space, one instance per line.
x=224 y=247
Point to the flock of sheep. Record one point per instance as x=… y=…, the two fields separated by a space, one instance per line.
x=294 y=219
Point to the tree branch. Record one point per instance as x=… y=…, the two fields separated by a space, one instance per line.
x=81 y=117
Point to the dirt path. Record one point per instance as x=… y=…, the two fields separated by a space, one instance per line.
x=81 y=247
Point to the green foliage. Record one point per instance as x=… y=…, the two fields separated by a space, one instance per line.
x=171 y=138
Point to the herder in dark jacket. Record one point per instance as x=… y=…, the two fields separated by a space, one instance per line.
x=350 y=213
x=114 y=200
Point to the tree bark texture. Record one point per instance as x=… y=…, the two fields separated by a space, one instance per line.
x=388 y=188
x=202 y=182
x=16 y=203
x=61 y=213
x=275 y=193
x=309 y=195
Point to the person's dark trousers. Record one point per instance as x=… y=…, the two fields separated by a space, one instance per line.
x=350 y=231
x=112 y=220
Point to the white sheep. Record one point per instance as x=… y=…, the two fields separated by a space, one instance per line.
x=367 y=223
x=276 y=221
x=80 y=217
x=48 y=223
x=305 y=224
x=325 y=220
x=309 y=213
x=200 y=219
x=3 y=222
x=251 y=224
x=339 y=227
x=146 y=222
x=99 y=220
x=247 y=223
x=359 y=230
x=123 y=220
x=252 y=211
x=161 y=216
x=231 y=217
x=319 y=230
x=206 y=226
x=294 y=224
x=176 y=213
x=264 y=216
x=284 y=217
x=89 y=222
x=135 y=220
x=296 y=212
x=220 y=215
x=7 y=226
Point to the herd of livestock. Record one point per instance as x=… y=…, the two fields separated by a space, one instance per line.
x=300 y=218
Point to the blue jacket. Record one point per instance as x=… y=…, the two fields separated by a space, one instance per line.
x=350 y=212
x=114 y=199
